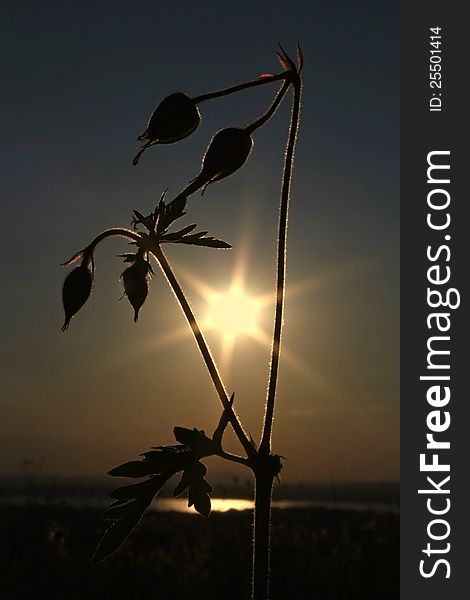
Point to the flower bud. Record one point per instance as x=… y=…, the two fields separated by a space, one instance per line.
x=176 y=117
x=76 y=291
x=135 y=282
x=226 y=153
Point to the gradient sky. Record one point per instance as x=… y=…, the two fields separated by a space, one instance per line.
x=80 y=81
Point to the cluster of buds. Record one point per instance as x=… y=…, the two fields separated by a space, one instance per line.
x=79 y=282
x=175 y=118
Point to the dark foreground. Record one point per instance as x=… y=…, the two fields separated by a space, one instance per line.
x=316 y=553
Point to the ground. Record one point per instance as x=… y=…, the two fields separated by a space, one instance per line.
x=316 y=553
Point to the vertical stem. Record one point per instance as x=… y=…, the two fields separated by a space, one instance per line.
x=261 y=531
x=265 y=445
x=201 y=342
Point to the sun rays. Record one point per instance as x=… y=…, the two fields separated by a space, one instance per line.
x=233 y=318
x=232 y=313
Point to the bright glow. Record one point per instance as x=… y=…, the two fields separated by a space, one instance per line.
x=226 y=504
x=233 y=312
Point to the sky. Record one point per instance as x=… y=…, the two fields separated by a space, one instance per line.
x=80 y=81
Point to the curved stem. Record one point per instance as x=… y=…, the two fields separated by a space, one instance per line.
x=204 y=349
x=258 y=123
x=272 y=109
x=118 y=231
x=239 y=87
x=265 y=445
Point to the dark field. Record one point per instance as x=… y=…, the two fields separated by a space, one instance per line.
x=316 y=553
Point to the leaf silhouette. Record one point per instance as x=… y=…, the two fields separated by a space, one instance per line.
x=176 y=235
x=155 y=461
x=158 y=465
x=198 y=239
x=126 y=513
x=199 y=489
x=134 y=490
x=135 y=468
x=169 y=213
x=196 y=440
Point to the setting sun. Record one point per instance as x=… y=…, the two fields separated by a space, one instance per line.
x=233 y=312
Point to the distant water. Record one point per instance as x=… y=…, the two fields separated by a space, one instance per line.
x=226 y=504
x=181 y=504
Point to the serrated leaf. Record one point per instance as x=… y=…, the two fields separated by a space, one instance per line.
x=170 y=212
x=213 y=243
x=193 y=237
x=179 y=234
x=209 y=242
x=156 y=461
x=114 y=537
x=139 y=215
x=122 y=510
x=198 y=488
x=135 y=468
x=168 y=457
x=170 y=449
x=198 y=496
x=134 y=490
x=196 y=440
x=182 y=484
x=139 y=218
x=126 y=515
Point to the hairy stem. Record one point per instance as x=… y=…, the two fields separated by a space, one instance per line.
x=265 y=445
x=115 y=231
x=261 y=534
x=271 y=110
x=239 y=87
x=233 y=458
x=204 y=349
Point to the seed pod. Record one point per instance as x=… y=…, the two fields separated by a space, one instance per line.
x=227 y=152
x=175 y=118
x=135 y=282
x=76 y=291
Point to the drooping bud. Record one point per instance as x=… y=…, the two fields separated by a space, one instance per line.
x=135 y=281
x=76 y=291
x=175 y=118
x=226 y=153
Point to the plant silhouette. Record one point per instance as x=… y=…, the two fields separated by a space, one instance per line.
x=174 y=119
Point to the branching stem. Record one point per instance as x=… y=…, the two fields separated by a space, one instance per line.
x=271 y=110
x=204 y=349
x=233 y=458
